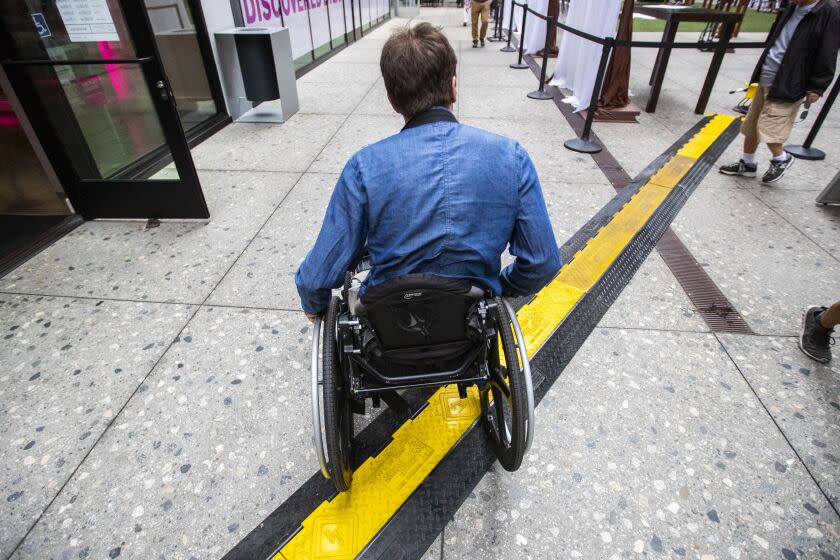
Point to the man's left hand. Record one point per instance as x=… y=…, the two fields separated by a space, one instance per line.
x=811 y=97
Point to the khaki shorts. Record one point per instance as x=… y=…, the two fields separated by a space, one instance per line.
x=768 y=120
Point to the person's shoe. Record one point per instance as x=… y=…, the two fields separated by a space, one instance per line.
x=740 y=167
x=777 y=170
x=465 y=24
x=482 y=42
x=815 y=340
x=475 y=44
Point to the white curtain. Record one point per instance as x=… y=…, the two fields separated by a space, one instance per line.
x=517 y=17
x=577 y=62
x=508 y=6
x=535 y=27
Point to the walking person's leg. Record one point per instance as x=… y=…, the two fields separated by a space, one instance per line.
x=475 y=11
x=485 y=19
x=774 y=127
x=746 y=166
x=817 y=326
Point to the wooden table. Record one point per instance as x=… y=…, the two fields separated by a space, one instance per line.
x=673 y=17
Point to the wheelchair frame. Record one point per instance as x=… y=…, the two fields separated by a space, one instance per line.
x=387 y=385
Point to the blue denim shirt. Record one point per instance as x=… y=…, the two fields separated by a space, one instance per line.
x=440 y=198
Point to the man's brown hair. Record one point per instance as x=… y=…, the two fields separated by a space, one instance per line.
x=418 y=64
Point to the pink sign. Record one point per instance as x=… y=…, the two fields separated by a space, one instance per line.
x=268 y=11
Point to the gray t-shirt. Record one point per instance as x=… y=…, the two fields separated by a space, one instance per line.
x=777 y=51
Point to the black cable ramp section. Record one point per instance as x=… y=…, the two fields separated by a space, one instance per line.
x=422 y=517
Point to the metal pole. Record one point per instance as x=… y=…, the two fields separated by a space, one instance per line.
x=497 y=26
x=508 y=48
x=584 y=144
x=541 y=93
x=805 y=151
x=519 y=65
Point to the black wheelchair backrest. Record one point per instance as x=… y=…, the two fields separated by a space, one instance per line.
x=420 y=310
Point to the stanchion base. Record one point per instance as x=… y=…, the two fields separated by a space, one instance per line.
x=540 y=94
x=507 y=49
x=802 y=152
x=582 y=146
x=496 y=39
x=519 y=66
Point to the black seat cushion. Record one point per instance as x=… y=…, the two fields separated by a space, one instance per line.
x=421 y=322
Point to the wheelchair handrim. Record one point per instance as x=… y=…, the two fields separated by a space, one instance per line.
x=526 y=370
x=317 y=438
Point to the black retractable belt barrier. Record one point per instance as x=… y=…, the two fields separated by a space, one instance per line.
x=519 y=64
x=508 y=48
x=497 y=23
x=540 y=92
x=584 y=144
x=805 y=151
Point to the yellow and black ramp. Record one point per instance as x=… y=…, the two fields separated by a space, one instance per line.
x=408 y=485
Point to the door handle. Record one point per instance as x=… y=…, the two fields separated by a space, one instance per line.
x=164 y=94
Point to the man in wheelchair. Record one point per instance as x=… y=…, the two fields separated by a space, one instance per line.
x=431 y=209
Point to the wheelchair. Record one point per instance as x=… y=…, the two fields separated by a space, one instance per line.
x=412 y=332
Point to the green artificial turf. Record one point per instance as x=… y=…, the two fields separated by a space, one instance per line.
x=753 y=22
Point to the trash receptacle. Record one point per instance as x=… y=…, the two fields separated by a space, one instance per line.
x=257 y=66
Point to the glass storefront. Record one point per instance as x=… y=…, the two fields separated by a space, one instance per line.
x=110 y=104
x=25 y=188
x=316 y=27
x=110 y=97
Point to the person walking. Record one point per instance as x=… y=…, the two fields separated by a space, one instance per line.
x=481 y=9
x=817 y=327
x=797 y=66
x=467 y=12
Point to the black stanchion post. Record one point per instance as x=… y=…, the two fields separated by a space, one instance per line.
x=540 y=92
x=497 y=23
x=519 y=64
x=508 y=48
x=805 y=151
x=500 y=21
x=584 y=144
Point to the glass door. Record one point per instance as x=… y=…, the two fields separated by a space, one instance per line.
x=90 y=78
x=181 y=39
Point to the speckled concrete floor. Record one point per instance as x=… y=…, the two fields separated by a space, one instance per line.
x=153 y=383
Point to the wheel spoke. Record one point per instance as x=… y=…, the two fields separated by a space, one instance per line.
x=504 y=433
x=500 y=383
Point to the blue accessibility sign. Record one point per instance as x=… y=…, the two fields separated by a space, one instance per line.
x=41 y=25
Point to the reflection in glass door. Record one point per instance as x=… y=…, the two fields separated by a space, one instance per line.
x=25 y=187
x=177 y=41
x=88 y=76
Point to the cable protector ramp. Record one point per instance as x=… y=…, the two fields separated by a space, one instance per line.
x=404 y=495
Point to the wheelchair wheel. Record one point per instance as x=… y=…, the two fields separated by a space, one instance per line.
x=506 y=417
x=338 y=411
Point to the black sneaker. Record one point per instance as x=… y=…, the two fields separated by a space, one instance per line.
x=482 y=42
x=777 y=170
x=740 y=167
x=815 y=340
x=475 y=44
